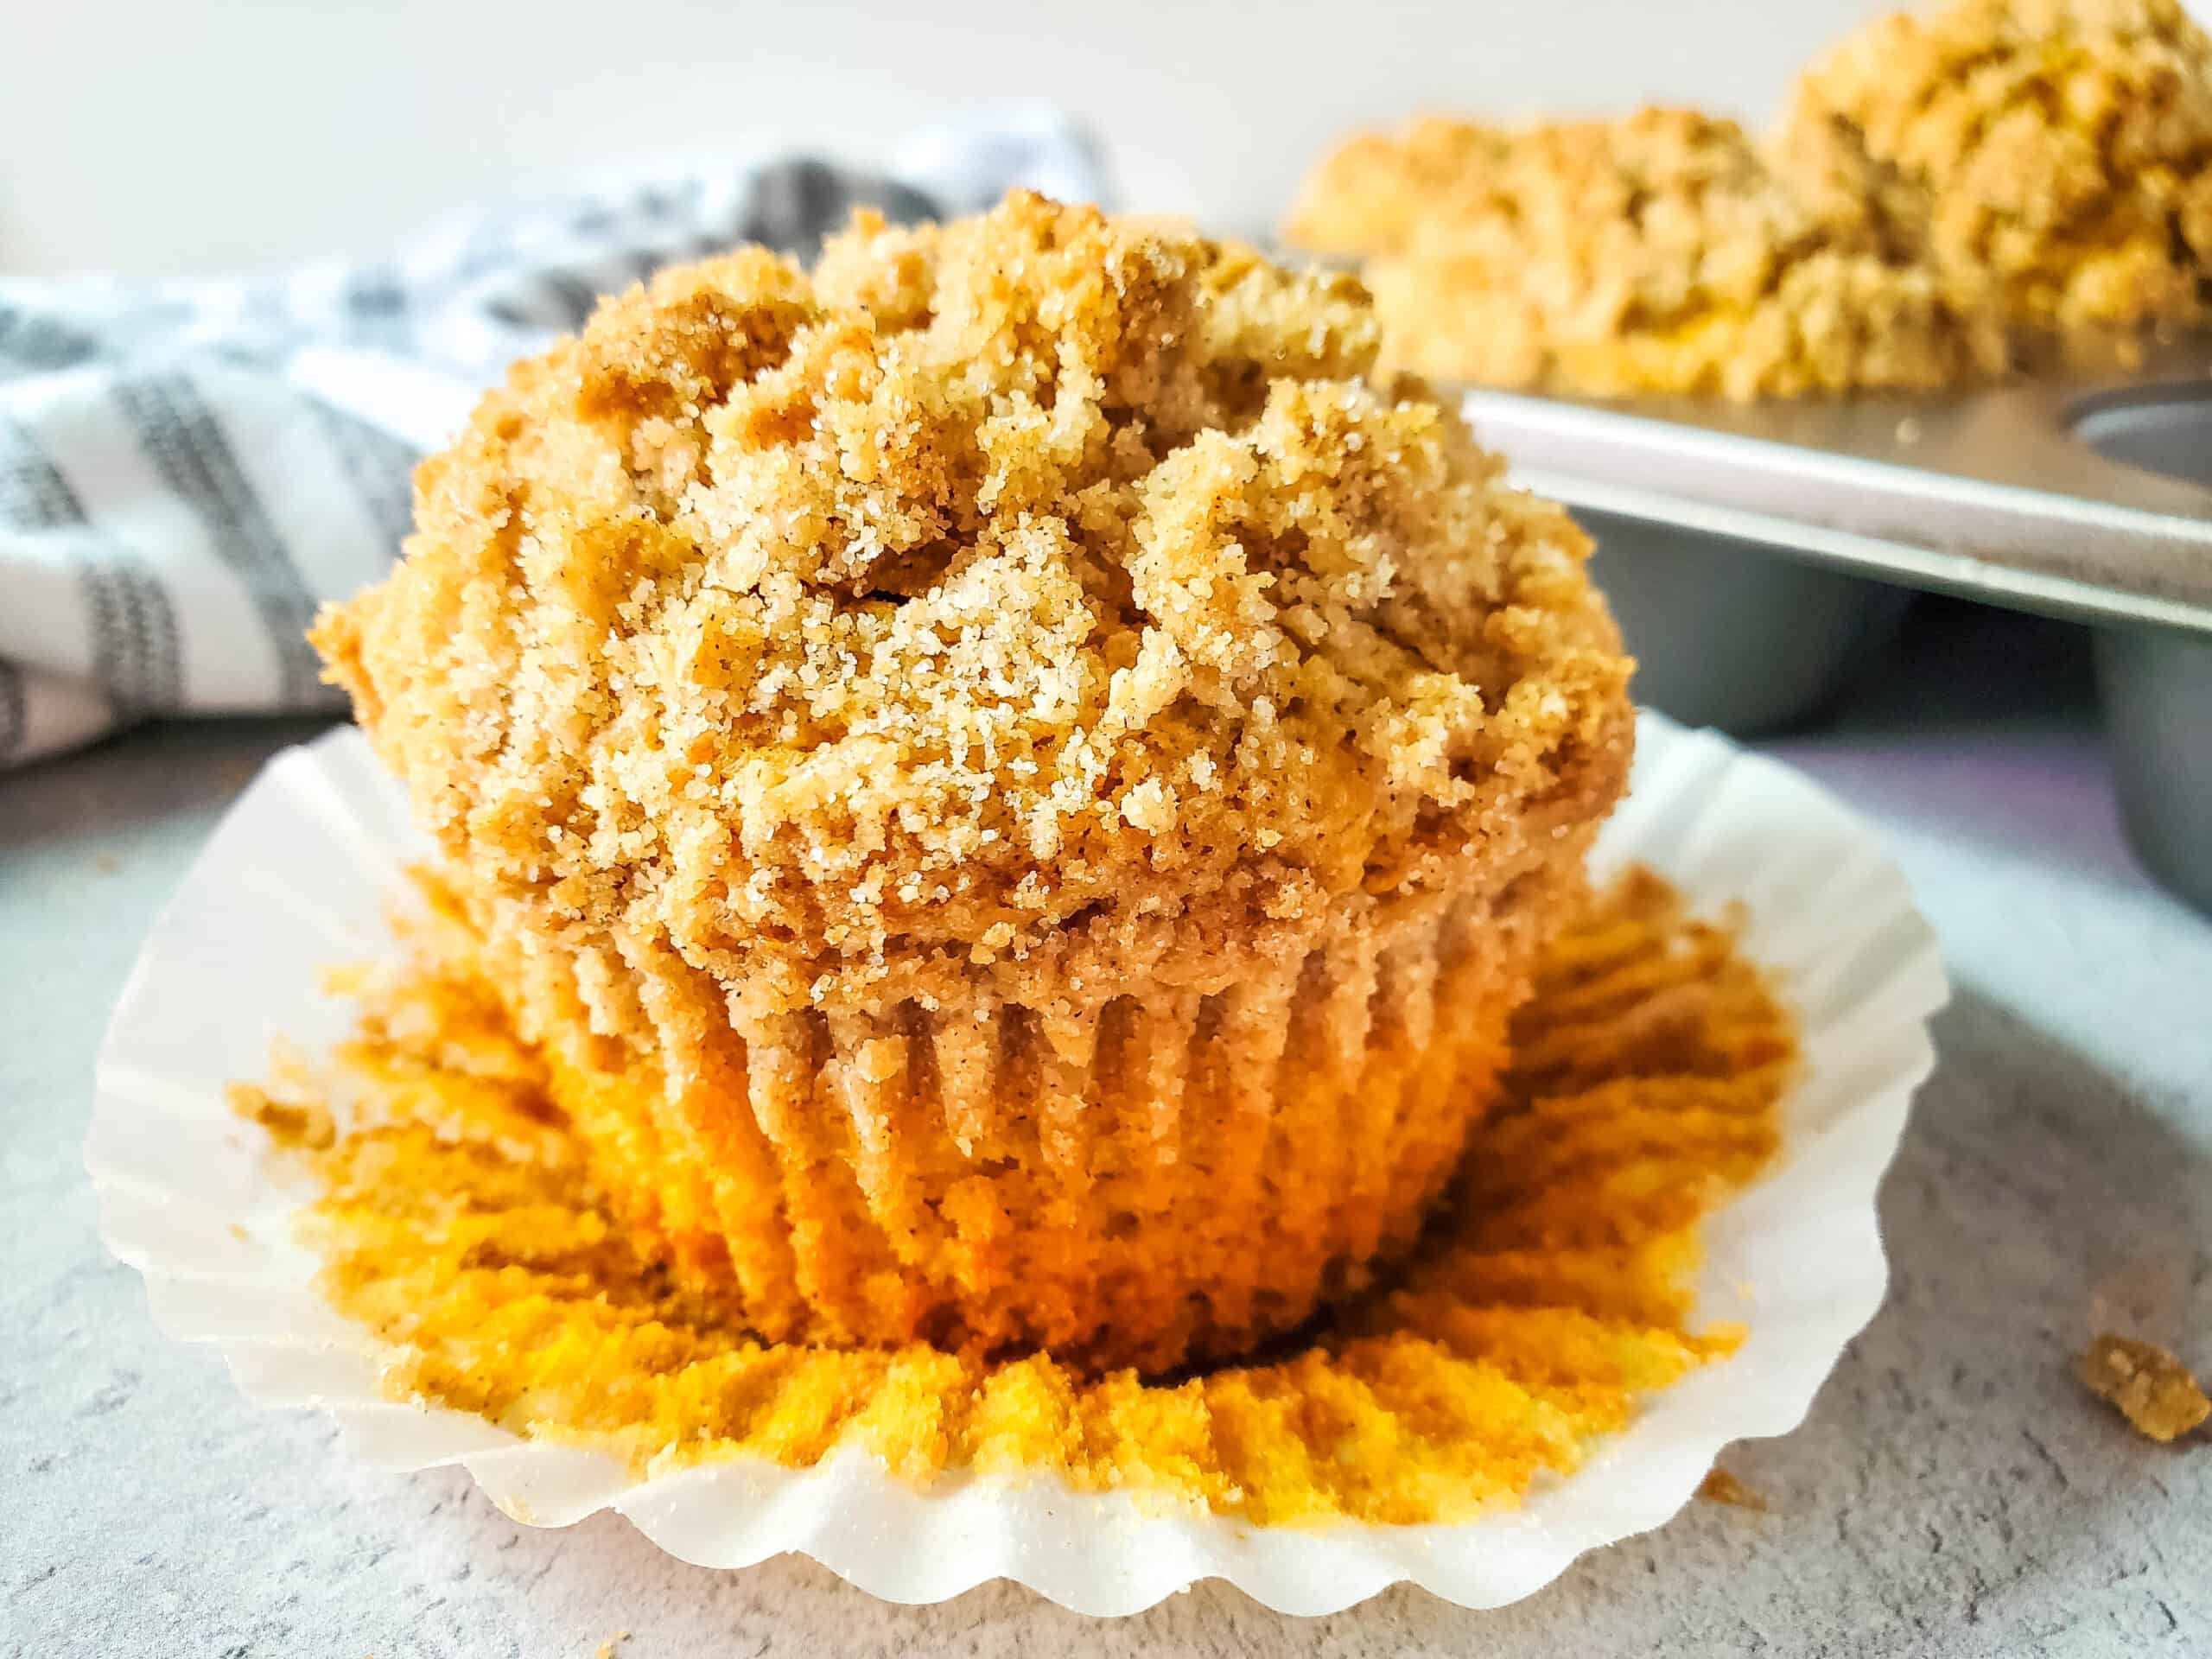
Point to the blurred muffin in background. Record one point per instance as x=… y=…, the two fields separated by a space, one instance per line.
x=1657 y=253
x=1017 y=787
x=2060 y=151
x=1372 y=192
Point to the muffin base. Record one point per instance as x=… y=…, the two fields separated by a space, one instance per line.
x=1150 y=1180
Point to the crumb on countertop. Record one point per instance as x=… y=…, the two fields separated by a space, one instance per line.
x=2149 y=1385
x=1719 y=1486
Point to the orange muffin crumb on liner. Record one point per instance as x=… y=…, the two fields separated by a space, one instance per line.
x=458 y=1223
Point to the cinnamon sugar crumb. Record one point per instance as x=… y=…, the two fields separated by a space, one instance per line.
x=459 y=1223
x=1659 y=253
x=2153 y=1389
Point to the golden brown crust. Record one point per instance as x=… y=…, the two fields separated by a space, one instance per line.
x=1036 y=589
x=2061 y=150
x=1655 y=253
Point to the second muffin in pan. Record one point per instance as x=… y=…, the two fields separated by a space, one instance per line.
x=1656 y=253
x=2059 y=151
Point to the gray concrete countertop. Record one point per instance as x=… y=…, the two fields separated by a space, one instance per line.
x=1953 y=1492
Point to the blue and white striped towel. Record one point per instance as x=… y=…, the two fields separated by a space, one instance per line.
x=188 y=468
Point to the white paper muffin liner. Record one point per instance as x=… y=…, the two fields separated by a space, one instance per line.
x=302 y=875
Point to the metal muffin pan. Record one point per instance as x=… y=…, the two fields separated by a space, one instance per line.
x=1726 y=635
x=2027 y=493
x=2155 y=683
x=1755 y=553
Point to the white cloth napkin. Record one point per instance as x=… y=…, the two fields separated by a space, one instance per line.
x=188 y=468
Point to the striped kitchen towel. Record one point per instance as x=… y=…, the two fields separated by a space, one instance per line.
x=187 y=469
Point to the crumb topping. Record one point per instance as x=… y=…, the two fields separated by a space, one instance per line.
x=1659 y=253
x=2061 y=148
x=458 y=1220
x=992 y=578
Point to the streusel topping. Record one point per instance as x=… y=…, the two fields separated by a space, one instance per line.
x=1031 y=569
x=2062 y=148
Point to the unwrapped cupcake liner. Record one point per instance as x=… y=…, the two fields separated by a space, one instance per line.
x=303 y=873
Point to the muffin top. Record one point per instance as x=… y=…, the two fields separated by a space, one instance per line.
x=2063 y=147
x=1659 y=251
x=1369 y=194
x=1035 y=576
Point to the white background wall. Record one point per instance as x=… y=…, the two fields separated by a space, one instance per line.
x=155 y=135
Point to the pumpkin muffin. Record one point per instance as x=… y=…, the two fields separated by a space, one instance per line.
x=1016 y=786
x=1657 y=253
x=2058 y=150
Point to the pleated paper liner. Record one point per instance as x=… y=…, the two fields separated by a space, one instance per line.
x=303 y=872
x=1153 y=1178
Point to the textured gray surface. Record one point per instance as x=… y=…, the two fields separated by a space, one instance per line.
x=1953 y=1493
